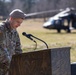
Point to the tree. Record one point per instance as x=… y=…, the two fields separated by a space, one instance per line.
x=3 y=9
x=27 y=5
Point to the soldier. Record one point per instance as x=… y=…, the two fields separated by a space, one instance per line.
x=9 y=39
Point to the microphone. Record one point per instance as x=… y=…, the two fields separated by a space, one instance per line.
x=27 y=35
x=30 y=35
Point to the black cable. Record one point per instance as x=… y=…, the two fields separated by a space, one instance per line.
x=35 y=45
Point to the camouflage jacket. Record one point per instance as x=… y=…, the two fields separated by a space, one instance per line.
x=9 y=42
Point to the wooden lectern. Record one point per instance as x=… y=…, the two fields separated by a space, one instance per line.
x=54 y=61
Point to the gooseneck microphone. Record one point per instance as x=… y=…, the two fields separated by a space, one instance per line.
x=30 y=37
x=27 y=35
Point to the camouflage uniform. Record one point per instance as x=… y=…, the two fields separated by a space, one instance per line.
x=9 y=45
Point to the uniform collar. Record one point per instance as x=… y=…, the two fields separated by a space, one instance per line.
x=7 y=24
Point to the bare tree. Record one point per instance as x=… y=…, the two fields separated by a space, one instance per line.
x=16 y=4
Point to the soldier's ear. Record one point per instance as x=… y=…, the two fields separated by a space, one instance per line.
x=10 y=18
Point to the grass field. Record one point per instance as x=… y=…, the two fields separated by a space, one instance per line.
x=51 y=37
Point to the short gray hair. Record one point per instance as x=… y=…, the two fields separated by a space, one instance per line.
x=17 y=13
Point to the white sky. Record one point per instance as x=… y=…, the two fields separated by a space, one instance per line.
x=7 y=0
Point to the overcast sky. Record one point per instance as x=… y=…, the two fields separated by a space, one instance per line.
x=7 y=0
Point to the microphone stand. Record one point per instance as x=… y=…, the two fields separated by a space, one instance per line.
x=30 y=35
x=40 y=40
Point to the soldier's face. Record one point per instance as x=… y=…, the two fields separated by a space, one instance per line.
x=16 y=22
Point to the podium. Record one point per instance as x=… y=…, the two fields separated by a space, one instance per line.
x=54 y=61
